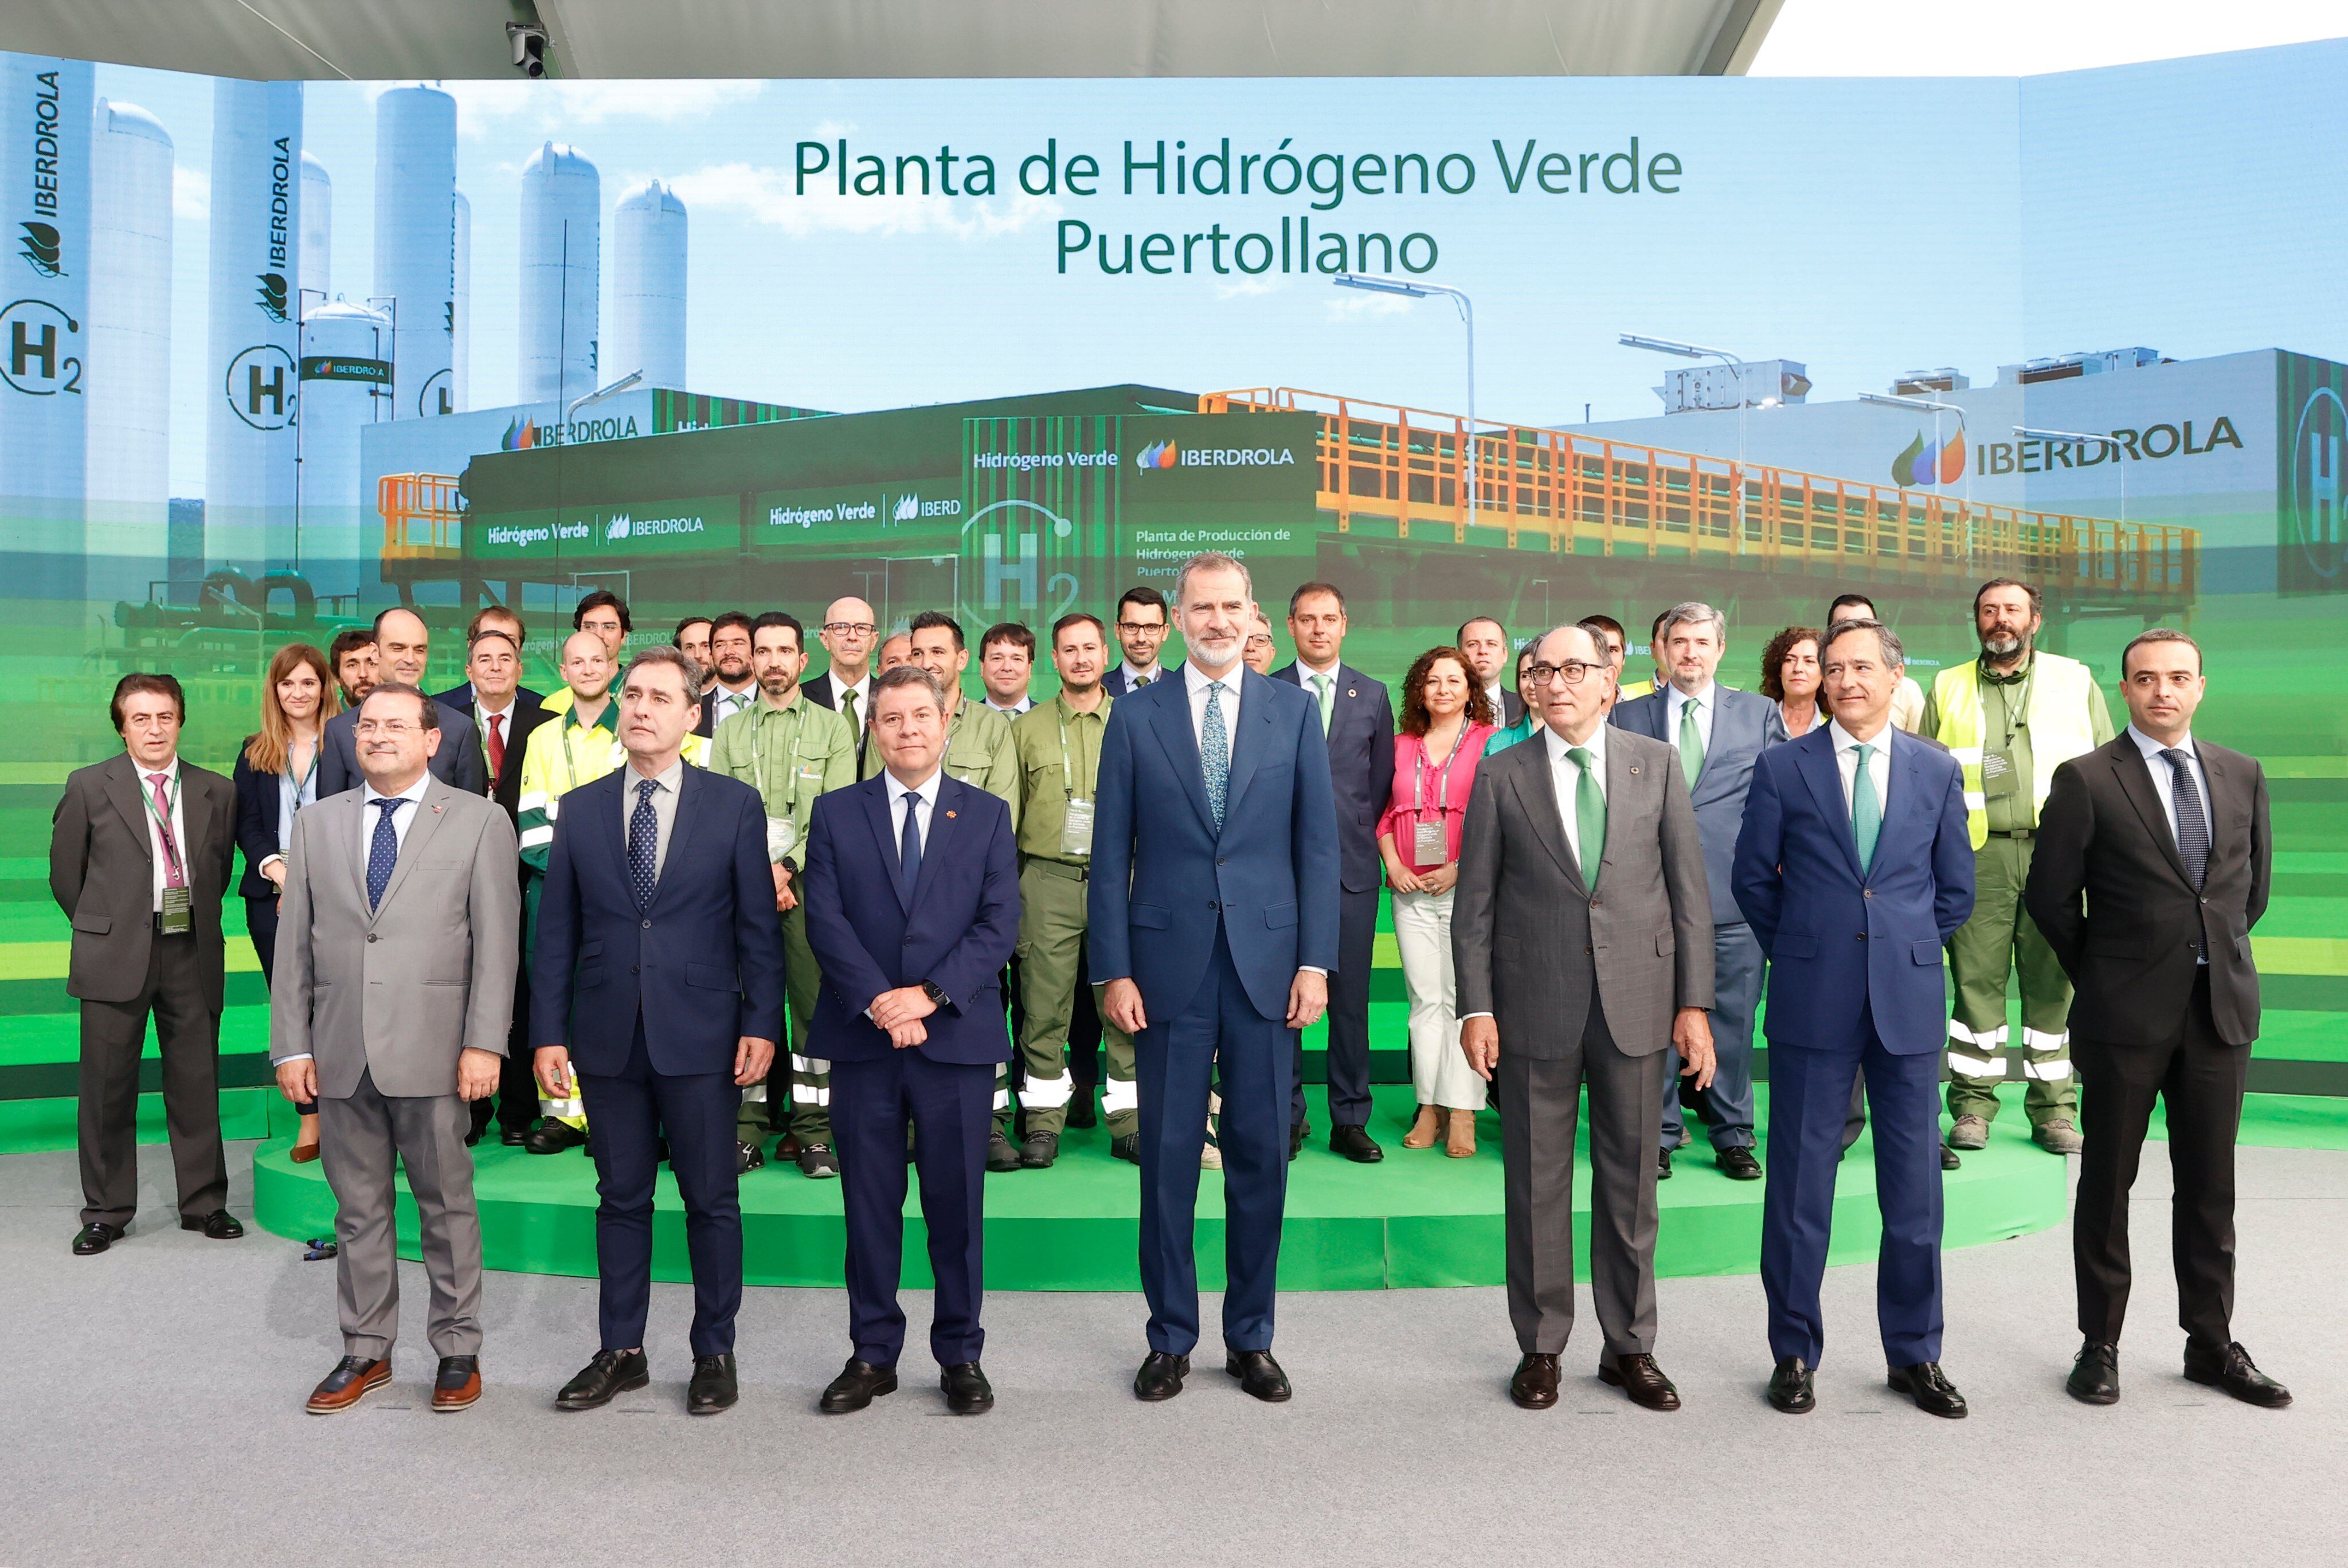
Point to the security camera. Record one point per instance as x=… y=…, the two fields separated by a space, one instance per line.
x=528 y=41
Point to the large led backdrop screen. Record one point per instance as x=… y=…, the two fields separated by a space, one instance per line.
x=273 y=356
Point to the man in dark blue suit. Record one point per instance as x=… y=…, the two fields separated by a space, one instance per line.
x=1213 y=924
x=1358 y=719
x=912 y=909
x=659 y=976
x=1719 y=734
x=1853 y=868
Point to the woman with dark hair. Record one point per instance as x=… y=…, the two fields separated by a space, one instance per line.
x=1446 y=720
x=1790 y=676
x=276 y=776
x=1522 y=730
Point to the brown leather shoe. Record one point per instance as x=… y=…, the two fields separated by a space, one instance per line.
x=348 y=1383
x=457 y=1385
x=1534 y=1387
x=1639 y=1377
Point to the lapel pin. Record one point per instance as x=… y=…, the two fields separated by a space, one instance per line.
x=1350 y=691
x=1635 y=770
x=949 y=813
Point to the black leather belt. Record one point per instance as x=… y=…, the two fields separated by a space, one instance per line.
x=2013 y=832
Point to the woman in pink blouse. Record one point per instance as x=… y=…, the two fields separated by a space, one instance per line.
x=1446 y=719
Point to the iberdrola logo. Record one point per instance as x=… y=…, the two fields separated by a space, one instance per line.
x=1159 y=455
x=617 y=528
x=521 y=437
x=1916 y=464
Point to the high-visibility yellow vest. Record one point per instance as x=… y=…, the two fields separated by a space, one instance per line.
x=2061 y=726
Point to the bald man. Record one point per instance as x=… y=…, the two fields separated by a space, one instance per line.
x=403 y=646
x=848 y=631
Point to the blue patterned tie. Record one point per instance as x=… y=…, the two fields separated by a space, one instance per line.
x=643 y=845
x=2192 y=823
x=383 y=850
x=1215 y=753
x=909 y=849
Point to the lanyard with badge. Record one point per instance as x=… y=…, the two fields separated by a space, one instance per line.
x=1076 y=826
x=782 y=832
x=2001 y=777
x=1431 y=841
x=305 y=788
x=178 y=915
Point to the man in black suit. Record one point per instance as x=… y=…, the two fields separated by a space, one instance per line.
x=491 y=617
x=1486 y=642
x=403 y=648
x=504 y=715
x=1357 y=718
x=2153 y=861
x=847 y=634
x=139 y=860
x=1141 y=629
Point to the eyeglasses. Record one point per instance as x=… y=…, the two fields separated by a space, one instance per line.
x=386 y=727
x=1573 y=673
x=1259 y=640
x=850 y=628
x=1141 y=627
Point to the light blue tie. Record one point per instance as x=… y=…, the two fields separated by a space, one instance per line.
x=1215 y=753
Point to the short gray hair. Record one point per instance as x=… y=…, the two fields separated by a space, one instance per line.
x=909 y=675
x=1893 y=653
x=661 y=653
x=1695 y=613
x=1212 y=560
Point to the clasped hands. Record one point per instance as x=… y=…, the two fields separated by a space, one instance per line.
x=900 y=1013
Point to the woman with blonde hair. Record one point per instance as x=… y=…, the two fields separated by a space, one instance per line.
x=276 y=776
x=1447 y=719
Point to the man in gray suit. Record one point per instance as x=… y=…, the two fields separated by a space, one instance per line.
x=1581 y=937
x=1718 y=734
x=396 y=947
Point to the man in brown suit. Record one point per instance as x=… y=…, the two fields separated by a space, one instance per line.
x=139 y=856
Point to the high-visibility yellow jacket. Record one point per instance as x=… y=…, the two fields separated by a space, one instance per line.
x=2064 y=707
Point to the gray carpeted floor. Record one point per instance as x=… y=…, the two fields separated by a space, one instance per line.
x=155 y=1417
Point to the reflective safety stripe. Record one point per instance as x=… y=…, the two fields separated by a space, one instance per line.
x=755 y=1095
x=1045 y=1094
x=1003 y=1100
x=1967 y=757
x=1994 y=1038
x=2052 y=1071
x=1120 y=1094
x=2038 y=1040
x=534 y=800
x=1976 y=801
x=808 y=1066
x=531 y=838
x=553 y=807
x=1976 y=1066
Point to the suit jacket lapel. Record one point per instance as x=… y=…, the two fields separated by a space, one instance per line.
x=429 y=811
x=1171 y=721
x=1537 y=795
x=1816 y=761
x=688 y=809
x=127 y=791
x=944 y=818
x=1250 y=741
x=1903 y=814
x=2136 y=781
x=877 y=813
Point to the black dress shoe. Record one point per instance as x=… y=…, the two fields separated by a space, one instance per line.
x=513 y=1137
x=713 y=1388
x=1160 y=1377
x=1949 y=1160
x=610 y=1373
x=219 y=1225
x=1534 y=1387
x=1080 y=1109
x=1128 y=1148
x=552 y=1136
x=859 y=1384
x=818 y=1161
x=1039 y=1150
x=1927 y=1385
x=968 y=1393
x=1000 y=1154
x=748 y=1156
x=1738 y=1165
x=1260 y=1376
x=1355 y=1143
x=95 y=1237
x=1297 y=1132
x=2095 y=1376
x=1640 y=1377
x=2233 y=1370
x=1663 y=1164
x=1790 y=1389
x=472 y=1137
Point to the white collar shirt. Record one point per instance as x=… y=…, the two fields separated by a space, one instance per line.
x=402 y=817
x=1705 y=702
x=926 y=794
x=170 y=771
x=1196 y=683
x=1879 y=763
x=1567 y=776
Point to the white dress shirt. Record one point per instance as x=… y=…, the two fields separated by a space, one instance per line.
x=925 y=795
x=170 y=771
x=863 y=690
x=1138 y=678
x=670 y=779
x=2164 y=780
x=1197 y=682
x=1567 y=776
x=1878 y=764
x=723 y=703
x=1675 y=700
x=1015 y=710
x=1492 y=694
x=402 y=819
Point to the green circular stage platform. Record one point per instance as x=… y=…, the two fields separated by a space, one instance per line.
x=1419 y=1218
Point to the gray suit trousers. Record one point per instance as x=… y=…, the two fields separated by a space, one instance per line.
x=1541 y=1103
x=357 y=1138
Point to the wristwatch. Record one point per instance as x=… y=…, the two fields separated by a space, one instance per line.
x=935 y=992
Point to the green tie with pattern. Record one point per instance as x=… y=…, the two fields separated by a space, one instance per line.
x=1866 y=810
x=1324 y=686
x=1691 y=743
x=1589 y=816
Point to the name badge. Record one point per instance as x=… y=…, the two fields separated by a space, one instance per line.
x=1430 y=843
x=1077 y=828
x=1999 y=777
x=179 y=912
x=782 y=836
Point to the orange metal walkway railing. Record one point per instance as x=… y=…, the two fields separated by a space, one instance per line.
x=420 y=519
x=1385 y=465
